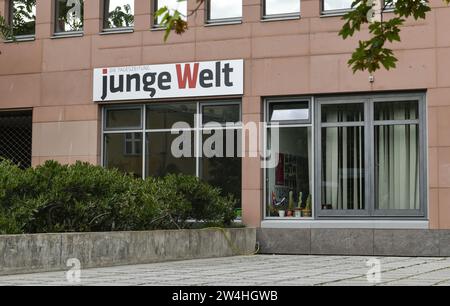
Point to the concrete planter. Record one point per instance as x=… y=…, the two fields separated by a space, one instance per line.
x=50 y=252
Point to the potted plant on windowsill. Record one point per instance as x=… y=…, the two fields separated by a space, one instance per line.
x=307 y=212
x=290 y=211
x=298 y=209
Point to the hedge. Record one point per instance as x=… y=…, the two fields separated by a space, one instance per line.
x=84 y=198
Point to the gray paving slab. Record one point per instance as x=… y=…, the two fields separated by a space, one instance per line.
x=258 y=270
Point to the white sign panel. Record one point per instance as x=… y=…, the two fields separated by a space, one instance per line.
x=197 y=79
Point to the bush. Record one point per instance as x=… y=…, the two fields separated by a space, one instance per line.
x=83 y=197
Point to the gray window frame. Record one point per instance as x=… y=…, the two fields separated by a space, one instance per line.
x=287 y=16
x=369 y=125
x=288 y=101
x=288 y=124
x=210 y=21
x=197 y=129
x=338 y=12
x=55 y=20
x=10 y=8
x=105 y=12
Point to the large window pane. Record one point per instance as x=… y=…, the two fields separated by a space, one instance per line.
x=289 y=181
x=170 y=154
x=69 y=15
x=124 y=152
x=172 y=5
x=298 y=111
x=164 y=116
x=334 y=5
x=119 y=14
x=224 y=9
x=343 y=166
x=397 y=167
x=281 y=7
x=221 y=114
x=223 y=169
x=23 y=17
x=348 y=112
x=123 y=118
x=396 y=110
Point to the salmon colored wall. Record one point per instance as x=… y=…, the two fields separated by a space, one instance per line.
x=54 y=76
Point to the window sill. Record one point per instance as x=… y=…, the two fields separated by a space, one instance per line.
x=67 y=35
x=280 y=18
x=222 y=23
x=117 y=31
x=358 y=224
x=337 y=13
x=21 y=39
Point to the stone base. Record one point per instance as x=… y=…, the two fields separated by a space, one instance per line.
x=367 y=242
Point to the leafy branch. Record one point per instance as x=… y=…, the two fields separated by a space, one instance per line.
x=371 y=54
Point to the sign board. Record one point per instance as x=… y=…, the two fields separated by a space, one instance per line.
x=197 y=79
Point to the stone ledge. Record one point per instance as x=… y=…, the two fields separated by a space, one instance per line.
x=50 y=252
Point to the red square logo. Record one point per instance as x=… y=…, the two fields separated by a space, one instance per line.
x=105 y=70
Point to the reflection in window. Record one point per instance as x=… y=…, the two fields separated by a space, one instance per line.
x=167 y=154
x=23 y=17
x=172 y=5
x=222 y=10
x=336 y=5
x=223 y=169
x=69 y=16
x=274 y=8
x=119 y=14
x=289 y=182
x=123 y=118
x=164 y=116
x=221 y=114
x=117 y=149
x=289 y=111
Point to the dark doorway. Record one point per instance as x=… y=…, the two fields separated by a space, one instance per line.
x=15 y=136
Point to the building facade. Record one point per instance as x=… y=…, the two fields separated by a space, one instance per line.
x=96 y=82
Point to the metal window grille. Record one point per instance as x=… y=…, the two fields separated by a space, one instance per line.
x=15 y=137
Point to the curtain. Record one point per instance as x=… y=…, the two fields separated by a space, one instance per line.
x=343 y=167
x=397 y=166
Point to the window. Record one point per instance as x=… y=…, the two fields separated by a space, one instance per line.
x=118 y=14
x=157 y=139
x=68 y=16
x=289 y=143
x=172 y=5
x=224 y=11
x=16 y=136
x=23 y=17
x=281 y=8
x=336 y=6
x=291 y=111
x=372 y=153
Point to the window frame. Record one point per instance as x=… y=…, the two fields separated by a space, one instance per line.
x=267 y=124
x=369 y=125
x=232 y=20
x=57 y=33
x=286 y=16
x=105 y=13
x=197 y=129
x=154 y=22
x=10 y=20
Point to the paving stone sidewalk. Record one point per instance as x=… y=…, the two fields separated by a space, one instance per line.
x=259 y=270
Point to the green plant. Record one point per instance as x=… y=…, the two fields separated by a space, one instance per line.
x=82 y=197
